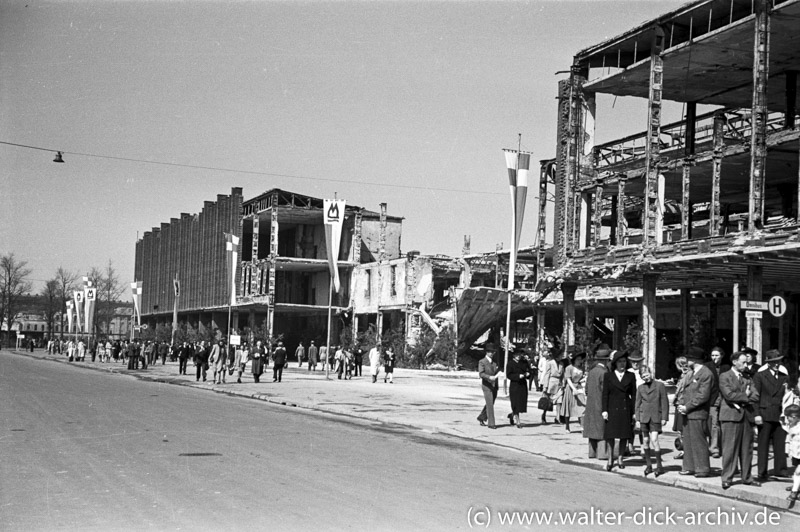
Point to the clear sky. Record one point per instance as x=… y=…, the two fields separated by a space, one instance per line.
x=313 y=97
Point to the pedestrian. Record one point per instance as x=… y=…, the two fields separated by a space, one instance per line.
x=541 y=367
x=81 y=350
x=339 y=358
x=715 y=430
x=635 y=360
x=201 y=360
x=593 y=422
x=517 y=374
x=240 y=360
x=551 y=382
x=489 y=372
x=348 y=364
x=358 y=360
x=71 y=350
x=374 y=362
x=678 y=418
x=257 y=355
x=389 y=360
x=651 y=412
x=791 y=424
x=737 y=422
x=300 y=354
x=163 y=349
x=115 y=351
x=619 y=392
x=218 y=362
x=770 y=385
x=109 y=350
x=695 y=408
x=279 y=361
x=312 y=357
x=148 y=354
x=574 y=395
x=323 y=356
x=184 y=353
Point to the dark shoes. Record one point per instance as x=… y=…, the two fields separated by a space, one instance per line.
x=492 y=427
x=482 y=422
x=685 y=473
x=754 y=483
x=702 y=475
x=511 y=419
x=726 y=485
x=648 y=470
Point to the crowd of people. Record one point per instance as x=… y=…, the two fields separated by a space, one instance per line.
x=722 y=408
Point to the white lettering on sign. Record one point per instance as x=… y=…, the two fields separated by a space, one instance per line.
x=754 y=305
x=753 y=314
x=777 y=306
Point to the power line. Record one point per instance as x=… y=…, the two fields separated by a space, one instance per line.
x=253 y=172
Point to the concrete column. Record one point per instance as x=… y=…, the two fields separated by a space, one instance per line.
x=758 y=136
x=568 y=290
x=653 y=148
x=649 y=319
x=622 y=223
x=686 y=314
x=686 y=200
x=715 y=228
x=754 y=293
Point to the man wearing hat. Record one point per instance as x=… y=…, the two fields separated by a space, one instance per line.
x=635 y=359
x=695 y=407
x=593 y=423
x=488 y=371
x=737 y=417
x=770 y=384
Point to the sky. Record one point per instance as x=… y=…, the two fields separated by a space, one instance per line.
x=159 y=106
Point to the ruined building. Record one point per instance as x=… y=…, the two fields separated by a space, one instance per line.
x=699 y=213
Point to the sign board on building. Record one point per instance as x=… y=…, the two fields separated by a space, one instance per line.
x=236 y=339
x=754 y=305
x=753 y=314
x=777 y=306
x=22 y=336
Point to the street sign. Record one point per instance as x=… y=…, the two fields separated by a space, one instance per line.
x=777 y=306
x=754 y=305
x=22 y=336
x=137 y=328
x=753 y=314
x=236 y=339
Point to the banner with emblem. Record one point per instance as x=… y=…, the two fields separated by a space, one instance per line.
x=136 y=294
x=77 y=297
x=70 y=316
x=89 y=299
x=518 y=164
x=333 y=212
x=232 y=249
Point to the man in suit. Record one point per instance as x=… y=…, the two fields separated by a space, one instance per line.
x=737 y=417
x=488 y=372
x=593 y=422
x=279 y=361
x=718 y=368
x=695 y=407
x=770 y=384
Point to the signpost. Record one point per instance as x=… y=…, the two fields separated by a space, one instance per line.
x=754 y=305
x=777 y=306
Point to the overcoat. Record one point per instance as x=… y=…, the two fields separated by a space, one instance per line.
x=258 y=354
x=770 y=394
x=618 y=396
x=594 y=425
x=518 y=389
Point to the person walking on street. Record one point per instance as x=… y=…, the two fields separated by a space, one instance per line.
x=358 y=360
x=551 y=381
x=619 y=391
x=388 y=365
x=715 y=430
x=518 y=372
x=163 y=349
x=489 y=372
x=184 y=353
x=300 y=354
x=257 y=355
x=574 y=402
x=695 y=407
x=312 y=357
x=651 y=413
x=240 y=361
x=770 y=385
x=339 y=358
x=791 y=424
x=737 y=419
x=593 y=422
x=374 y=362
x=219 y=362
x=279 y=361
x=201 y=360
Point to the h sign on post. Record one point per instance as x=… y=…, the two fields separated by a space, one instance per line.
x=777 y=306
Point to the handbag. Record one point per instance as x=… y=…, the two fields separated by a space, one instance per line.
x=545 y=403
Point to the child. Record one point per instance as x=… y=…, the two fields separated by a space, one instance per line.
x=791 y=423
x=651 y=411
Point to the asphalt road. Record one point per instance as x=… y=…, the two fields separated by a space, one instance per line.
x=86 y=450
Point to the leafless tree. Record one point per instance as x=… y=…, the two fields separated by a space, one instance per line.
x=66 y=282
x=14 y=284
x=109 y=290
x=51 y=305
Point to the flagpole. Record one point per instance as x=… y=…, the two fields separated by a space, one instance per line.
x=328 y=334
x=175 y=310
x=511 y=267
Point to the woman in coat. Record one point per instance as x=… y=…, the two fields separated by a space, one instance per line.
x=619 y=391
x=518 y=371
x=574 y=402
x=258 y=355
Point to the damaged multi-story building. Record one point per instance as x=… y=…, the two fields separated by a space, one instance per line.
x=700 y=213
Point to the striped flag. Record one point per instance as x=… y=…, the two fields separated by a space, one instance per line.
x=70 y=308
x=333 y=212
x=518 y=164
x=177 y=284
x=77 y=297
x=232 y=248
x=89 y=298
x=136 y=293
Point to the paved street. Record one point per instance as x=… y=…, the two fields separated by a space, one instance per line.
x=89 y=450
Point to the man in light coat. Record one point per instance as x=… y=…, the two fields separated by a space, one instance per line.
x=737 y=419
x=488 y=372
x=695 y=408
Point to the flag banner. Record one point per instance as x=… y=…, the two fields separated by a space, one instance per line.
x=232 y=247
x=136 y=293
x=69 y=316
x=77 y=296
x=333 y=212
x=177 y=284
x=89 y=298
x=518 y=164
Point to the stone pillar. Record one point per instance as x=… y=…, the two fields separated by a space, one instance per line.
x=649 y=318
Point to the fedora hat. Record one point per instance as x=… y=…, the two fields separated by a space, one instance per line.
x=695 y=353
x=602 y=354
x=773 y=355
x=635 y=356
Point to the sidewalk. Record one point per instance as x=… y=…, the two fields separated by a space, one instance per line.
x=440 y=402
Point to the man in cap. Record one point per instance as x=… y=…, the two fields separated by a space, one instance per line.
x=488 y=371
x=737 y=417
x=770 y=384
x=593 y=422
x=695 y=406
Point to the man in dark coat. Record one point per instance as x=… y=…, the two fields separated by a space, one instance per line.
x=487 y=371
x=593 y=422
x=737 y=417
x=518 y=372
x=695 y=407
x=770 y=384
x=184 y=353
x=718 y=367
x=201 y=360
x=279 y=360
